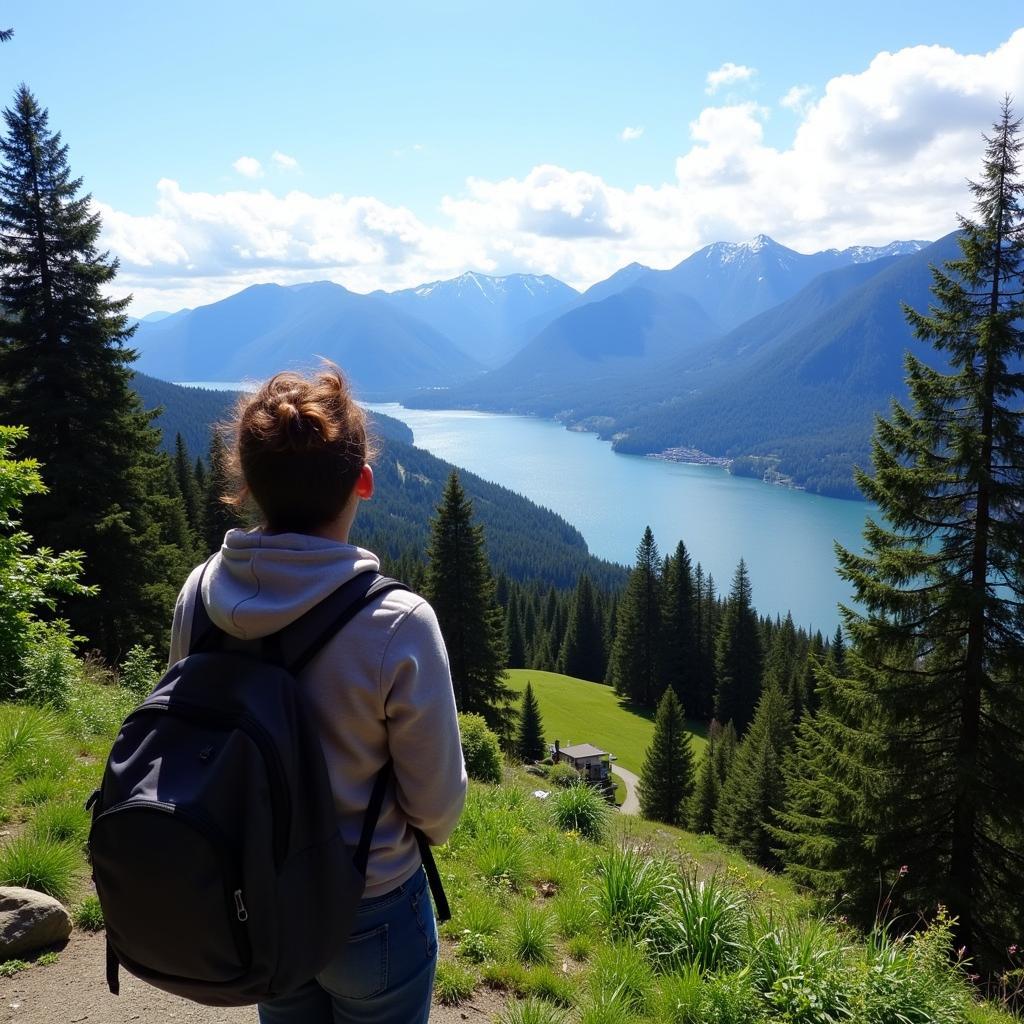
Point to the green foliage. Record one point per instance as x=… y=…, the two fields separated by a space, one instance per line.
x=581 y=808
x=700 y=809
x=66 y=822
x=480 y=749
x=29 y=581
x=531 y=936
x=754 y=787
x=31 y=742
x=582 y=654
x=563 y=775
x=738 y=655
x=636 y=661
x=667 y=777
x=453 y=983
x=629 y=890
x=532 y=1011
x=574 y=914
x=47 y=959
x=65 y=375
x=682 y=660
x=547 y=983
x=501 y=860
x=49 y=667
x=620 y=975
x=9 y=968
x=530 y=744
x=39 y=863
x=139 y=673
x=88 y=915
x=460 y=587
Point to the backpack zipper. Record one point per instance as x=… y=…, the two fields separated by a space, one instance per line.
x=258 y=734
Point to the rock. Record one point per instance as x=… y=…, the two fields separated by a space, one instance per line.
x=29 y=921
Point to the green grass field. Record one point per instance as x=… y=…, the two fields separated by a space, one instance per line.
x=577 y=711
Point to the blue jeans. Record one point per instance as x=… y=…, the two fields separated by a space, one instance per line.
x=385 y=974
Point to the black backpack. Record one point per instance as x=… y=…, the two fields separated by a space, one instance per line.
x=214 y=843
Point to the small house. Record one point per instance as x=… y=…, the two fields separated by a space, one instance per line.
x=593 y=764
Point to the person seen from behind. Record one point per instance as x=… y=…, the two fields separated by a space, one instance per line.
x=380 y=690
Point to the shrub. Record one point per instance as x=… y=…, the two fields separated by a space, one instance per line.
x=532 y=1011
x=700 y=923
x=88 y=914
x=563 y=775
x=39 y=863
x=480 y=749
x=531 y=939
x=476 y=947
x=629 y=890
x=62 y=822
x=453 y=984
x=139 y=672
x=49 y=666
x=582 y=809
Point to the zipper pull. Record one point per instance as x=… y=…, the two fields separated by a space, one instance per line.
x=240 y=912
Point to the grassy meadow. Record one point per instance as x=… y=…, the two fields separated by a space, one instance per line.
x=574 y=913
x=578 y=711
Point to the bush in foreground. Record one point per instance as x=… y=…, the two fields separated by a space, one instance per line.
x=480 y=749
x=581 y=808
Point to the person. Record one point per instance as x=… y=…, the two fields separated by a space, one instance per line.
x=380 y=690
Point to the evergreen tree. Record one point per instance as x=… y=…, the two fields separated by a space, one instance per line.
x=726 y=742
x=754 y=789
x=461 y=589
x=636 y=658
x=704 y=800
x=530 y=744
x=667 y=776
x=932 y=707
x=582 y=653
x=199 y=488
x=783 y=663
x=65 y=375
x=514 y=636
x=808 y=673
x=218 y=517
x=738 y=655
x=186 y=484
x=681 y=658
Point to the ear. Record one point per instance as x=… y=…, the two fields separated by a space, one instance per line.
x=364 y=485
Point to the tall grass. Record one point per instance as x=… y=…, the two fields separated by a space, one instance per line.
x=631 y=885
x=31 y=742
x=40 y=863
x=531 y=937
x=581 y=808
x=532 y=1011
x=621 y=975
x=64 y=822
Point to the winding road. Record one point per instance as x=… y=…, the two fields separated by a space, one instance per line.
x=631 y=805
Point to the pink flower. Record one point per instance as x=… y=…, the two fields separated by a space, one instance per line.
x=903 y=870
x=1013 y=950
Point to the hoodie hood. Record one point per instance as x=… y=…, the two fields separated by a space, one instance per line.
x=260 y=583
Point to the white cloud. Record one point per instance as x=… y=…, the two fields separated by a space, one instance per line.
x=727 y=74
x=248 y=167
x=881 y=154
x=285 y=162
x=797 y=99
x=630 y=134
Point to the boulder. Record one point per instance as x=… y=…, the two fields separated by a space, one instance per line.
x=29 y=921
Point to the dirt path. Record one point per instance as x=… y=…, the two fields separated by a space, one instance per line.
x=74 y=991
x=631 y=805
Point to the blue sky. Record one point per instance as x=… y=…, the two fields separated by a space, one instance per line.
x=403 y=106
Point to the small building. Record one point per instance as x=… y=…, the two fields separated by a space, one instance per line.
x=593 y=764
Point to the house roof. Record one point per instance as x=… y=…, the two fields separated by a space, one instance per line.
x=583 y=750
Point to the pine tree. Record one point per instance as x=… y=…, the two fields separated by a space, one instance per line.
x=514 y=636
x=932 y=710
x=65 y=375
x=582 y=653
x=461 y=589
x=667 y=776
x=738 y=655
x=218 y=517
x=530 y=744
x=726 y=742
x=782 y=665
x=703 y=802
x=636 y=658
x=186 y=484
x=754 y=789
x=681 y=659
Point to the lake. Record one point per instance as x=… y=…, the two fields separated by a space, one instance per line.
x=785 y=535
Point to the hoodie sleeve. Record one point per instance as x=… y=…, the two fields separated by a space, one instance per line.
x=423 y=730
x=181 y=625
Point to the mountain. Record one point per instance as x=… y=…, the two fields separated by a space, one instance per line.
x=525 y=541
x=157 y=315
x=266 y=328
x=588 y=348
x=484 y=316
x=802 y=401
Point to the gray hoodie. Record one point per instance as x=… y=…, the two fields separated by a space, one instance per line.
x=382 y=688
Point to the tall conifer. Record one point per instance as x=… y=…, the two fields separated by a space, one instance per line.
x=582 y=653
x=636 y=658
x=738 y=657
x=65 y=375
x=530 y=732
x=682 y=666
x=461 y=589
x=667 y=775
x=932 y=710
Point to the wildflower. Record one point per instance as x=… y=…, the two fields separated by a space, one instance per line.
x=1013 y=950
x=903 y=870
